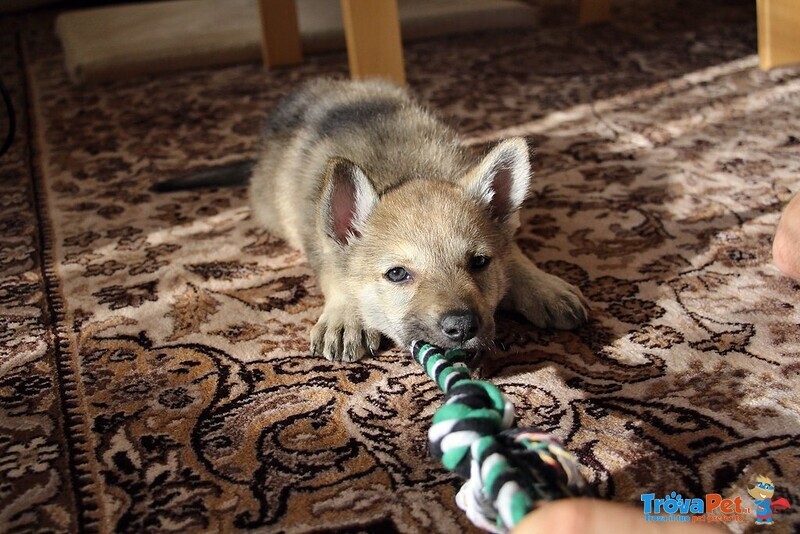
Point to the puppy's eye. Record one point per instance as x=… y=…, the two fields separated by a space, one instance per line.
x=397 y=274
x=478 y=263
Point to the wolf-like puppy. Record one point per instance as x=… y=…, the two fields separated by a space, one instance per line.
x=409 y=234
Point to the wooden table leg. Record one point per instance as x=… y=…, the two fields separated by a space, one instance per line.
x=280 y=33
x=374 y=46
x=593 y=11
x=778 y=32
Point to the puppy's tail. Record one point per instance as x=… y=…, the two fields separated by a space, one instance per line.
x=230 y=175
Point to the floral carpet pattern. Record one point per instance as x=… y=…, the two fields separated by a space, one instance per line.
x=155 y=374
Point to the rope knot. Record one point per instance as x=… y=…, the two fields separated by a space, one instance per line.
x=507 y=469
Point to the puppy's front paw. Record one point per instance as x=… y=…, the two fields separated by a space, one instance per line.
x=552 y=303
x=340 y=337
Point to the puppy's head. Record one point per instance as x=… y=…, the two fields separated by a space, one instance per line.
x=428 y=260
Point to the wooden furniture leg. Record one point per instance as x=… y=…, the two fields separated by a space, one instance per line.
x=778 y=32
x=594 y=11
x=280 y=33
x=374 y=46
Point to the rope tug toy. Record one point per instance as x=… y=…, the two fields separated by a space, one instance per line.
x=508 y=471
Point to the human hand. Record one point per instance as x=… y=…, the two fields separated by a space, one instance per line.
x=591 y=516
x=786 y=245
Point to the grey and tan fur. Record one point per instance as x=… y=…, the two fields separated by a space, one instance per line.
x=409 y=234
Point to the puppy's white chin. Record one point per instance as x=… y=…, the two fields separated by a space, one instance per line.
x=472 y=345
x=480 y=344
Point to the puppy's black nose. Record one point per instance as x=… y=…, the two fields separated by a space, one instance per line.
x=460 y=325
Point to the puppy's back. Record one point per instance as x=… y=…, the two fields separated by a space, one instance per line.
x=377 y=126
x=331 y=106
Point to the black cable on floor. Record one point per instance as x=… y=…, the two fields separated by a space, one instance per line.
x=12 y=119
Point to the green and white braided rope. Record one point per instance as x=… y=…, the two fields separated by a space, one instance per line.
x=508 y=470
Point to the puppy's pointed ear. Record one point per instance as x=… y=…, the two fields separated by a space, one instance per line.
x=500 y=182
x=348 y=197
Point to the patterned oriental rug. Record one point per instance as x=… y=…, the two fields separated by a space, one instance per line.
x=155 y=374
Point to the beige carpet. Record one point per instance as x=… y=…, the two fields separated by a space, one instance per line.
x=154 y=364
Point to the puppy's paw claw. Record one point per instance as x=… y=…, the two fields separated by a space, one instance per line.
x=555 y=304
x=339 y=338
